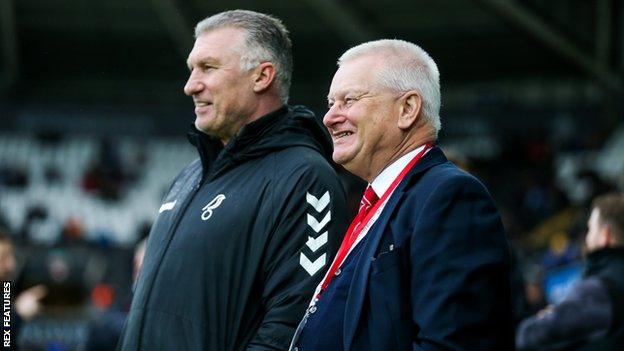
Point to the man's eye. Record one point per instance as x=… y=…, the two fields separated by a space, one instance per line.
x=330 y=104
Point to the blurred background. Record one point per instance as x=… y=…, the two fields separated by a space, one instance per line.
x=93 y=122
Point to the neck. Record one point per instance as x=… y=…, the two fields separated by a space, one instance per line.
x=403 y=148
x=262 y=108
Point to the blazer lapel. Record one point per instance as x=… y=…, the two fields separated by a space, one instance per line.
x=357 y=290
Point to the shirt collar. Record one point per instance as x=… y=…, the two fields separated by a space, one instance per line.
x=382 y=182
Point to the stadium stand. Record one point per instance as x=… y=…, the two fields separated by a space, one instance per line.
x=117 y=220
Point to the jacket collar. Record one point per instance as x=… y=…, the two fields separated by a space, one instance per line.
x=215 y=156
x=357 y=290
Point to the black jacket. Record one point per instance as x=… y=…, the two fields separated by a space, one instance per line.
x=591 y=317
x=241 y=241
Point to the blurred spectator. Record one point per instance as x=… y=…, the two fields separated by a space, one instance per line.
x=105 y=330
x=137 y=164
x=534 y=296
x=592 y=185
x=72 y=233
x=591 y=315
x=27 y=304
x=36 y=213
x=561 y=251
x=105 y=177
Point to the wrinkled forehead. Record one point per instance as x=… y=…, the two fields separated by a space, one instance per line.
x=220 y=43
x=358 y=74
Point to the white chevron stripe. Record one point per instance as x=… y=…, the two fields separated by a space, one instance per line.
x=309 y=266
x=318 y=204
x=315 y=244
x=316 y=225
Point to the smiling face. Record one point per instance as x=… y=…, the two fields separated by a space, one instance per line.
x=362 y=118
x=223 y=94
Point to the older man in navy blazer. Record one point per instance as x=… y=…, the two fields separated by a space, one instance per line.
x=425 y=263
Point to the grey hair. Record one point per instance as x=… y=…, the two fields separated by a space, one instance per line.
x=408 y=67
x=266 y=40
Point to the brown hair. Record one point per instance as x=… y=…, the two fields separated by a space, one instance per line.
x=611 y=208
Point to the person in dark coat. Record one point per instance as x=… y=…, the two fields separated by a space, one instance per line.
x=247 y=230
x=591 y=316
x=425 y=263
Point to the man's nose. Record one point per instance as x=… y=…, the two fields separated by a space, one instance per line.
x=332 y=116
x=193 y=85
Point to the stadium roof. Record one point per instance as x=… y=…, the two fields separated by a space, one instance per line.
x=132 y=53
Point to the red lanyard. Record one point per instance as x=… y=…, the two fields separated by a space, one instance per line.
x=356 y=226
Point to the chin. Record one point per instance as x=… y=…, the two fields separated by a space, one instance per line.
x=203 y=123
x=342 y=158
x=339 y=158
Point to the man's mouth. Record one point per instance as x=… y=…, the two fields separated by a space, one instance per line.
x=341 y=135
x=202 y=107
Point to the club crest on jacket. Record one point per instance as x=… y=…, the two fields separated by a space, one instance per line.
x=213 y=204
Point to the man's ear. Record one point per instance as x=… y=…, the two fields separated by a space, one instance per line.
x=409 y=109
x=263 y=76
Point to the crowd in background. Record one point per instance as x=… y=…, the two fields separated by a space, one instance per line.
x=82 y=287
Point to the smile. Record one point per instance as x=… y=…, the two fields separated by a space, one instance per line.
x=342 y=135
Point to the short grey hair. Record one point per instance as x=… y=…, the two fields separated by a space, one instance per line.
x=266 y=40
x=408 y=67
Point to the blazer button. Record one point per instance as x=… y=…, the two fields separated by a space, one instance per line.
x=338 y=271
x=312 y=309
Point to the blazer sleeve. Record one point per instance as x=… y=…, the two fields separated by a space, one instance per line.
x=311 y=220
x=585 y=314
x=460 y=280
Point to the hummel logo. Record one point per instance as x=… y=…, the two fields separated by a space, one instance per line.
x=211 y=206
x=319 y=204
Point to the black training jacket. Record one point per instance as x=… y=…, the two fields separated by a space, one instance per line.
x=242 y=238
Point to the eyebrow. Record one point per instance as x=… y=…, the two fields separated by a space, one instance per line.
x=204 y=61
x=358 y=92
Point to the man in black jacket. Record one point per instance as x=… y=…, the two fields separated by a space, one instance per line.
x=591 y=317
x=246 y=232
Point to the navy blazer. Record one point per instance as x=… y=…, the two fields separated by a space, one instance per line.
x=434 y=271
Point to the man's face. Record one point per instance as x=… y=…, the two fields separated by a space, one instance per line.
x=596 y=236
x=222 y=93
x=362 y=116
x=7 y=261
